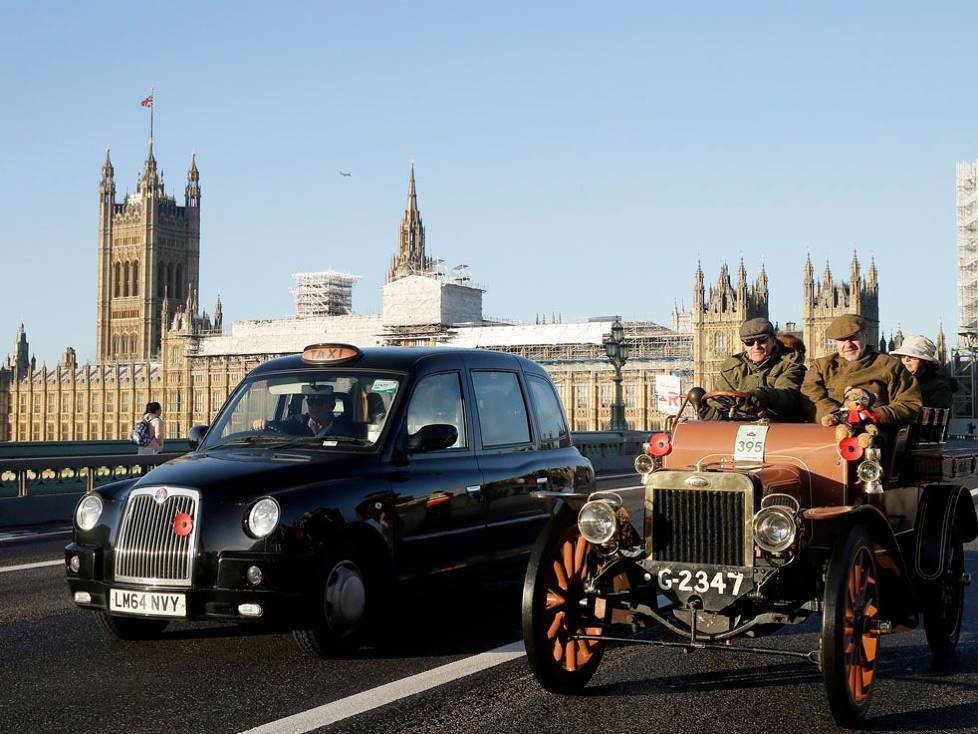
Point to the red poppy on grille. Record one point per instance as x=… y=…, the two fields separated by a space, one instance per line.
x=659 y=444
x=849 y=449
x=183 y=524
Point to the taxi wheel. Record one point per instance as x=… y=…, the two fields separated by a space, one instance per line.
x=850 y=627
x=553 y=612
x=341 y=615
x=130 y=628
x=945 y=608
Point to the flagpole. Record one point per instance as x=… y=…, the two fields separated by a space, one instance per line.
x=152 y=104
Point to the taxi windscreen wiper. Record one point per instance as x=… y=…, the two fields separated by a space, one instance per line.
x=253 y=439
x=329 y=440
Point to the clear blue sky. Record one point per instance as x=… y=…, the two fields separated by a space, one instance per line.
x=579 y=157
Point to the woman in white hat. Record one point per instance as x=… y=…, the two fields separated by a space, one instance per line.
x=918 y=355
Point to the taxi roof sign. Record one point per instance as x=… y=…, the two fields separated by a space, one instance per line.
x=329 y=353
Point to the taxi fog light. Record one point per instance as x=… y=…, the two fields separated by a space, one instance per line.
x=774 y=529
x=249 y=610
x=597 y=522
x=83 y=597
x=88 y=512
x=263 y=517
x=254 y=575
x=74 y=564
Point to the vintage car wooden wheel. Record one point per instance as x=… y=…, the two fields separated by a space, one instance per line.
x=340 y=608
x=945 y=608
x=130 y=628
x=552 y=609
x=850 y=627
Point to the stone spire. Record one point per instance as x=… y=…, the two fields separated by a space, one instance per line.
x=699 y=290
x=941 y=346
x=410 y=257
x=192 y=192
x=218 y=315
x=107 y=185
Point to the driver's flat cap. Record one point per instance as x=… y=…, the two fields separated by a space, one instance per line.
x=844 y=326
x=753 y=328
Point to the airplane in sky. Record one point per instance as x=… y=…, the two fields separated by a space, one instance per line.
x=345 y=173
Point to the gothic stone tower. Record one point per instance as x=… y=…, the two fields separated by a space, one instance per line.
x=717 y=317
x=822 y=302
x=410 y=257
x=148 y=254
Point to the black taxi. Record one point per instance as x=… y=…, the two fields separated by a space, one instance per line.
x=327 y=480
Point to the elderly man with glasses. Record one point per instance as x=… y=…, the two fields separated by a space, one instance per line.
x=856 y=364
x=765 y=378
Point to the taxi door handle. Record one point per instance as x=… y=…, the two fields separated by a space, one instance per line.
x=474 y=491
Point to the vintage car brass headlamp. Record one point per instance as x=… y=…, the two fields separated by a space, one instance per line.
x=88 y=512
x=263 y=518
x=869 y=471
x=774 y=529
x=597 y=522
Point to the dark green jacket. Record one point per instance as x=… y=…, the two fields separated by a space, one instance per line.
x=935 y=389
x=773 y=384
x=897 y=395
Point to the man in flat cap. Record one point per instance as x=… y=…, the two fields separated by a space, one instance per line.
x=858 y=364
x=766 y=370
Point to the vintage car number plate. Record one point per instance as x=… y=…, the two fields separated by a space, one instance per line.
x=749 y=443
x=146 y=602
x=725 y=583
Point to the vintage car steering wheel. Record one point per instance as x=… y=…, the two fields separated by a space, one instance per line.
x=734 y=403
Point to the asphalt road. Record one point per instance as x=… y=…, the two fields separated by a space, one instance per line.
x=60 y=673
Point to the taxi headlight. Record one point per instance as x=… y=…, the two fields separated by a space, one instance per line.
x=88 y=512
x=869 y=471
x=597 y=522
x=263 y=517
x=774 y=529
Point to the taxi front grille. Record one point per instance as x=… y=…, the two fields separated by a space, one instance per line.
x=699 y=526
x=151 y=548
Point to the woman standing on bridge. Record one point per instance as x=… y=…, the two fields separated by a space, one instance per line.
x=155 y=422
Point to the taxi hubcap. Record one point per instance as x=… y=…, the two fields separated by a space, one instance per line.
x=345 y=597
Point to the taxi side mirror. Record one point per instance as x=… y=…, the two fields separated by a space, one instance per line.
x=197 y=434
x=433 y=437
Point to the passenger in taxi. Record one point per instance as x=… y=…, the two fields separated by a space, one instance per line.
x=767 y=370
x=858 y=364
x=919 y=357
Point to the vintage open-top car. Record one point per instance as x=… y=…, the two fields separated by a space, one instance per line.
x=750 y=526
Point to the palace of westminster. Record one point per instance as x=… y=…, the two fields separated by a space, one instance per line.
x=155 y=343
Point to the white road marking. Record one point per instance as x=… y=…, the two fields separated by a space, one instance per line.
x=359 y=703
x=31 y=536
x=26 y=566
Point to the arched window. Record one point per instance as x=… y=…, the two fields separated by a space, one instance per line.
x=135 y=277
x=160 y=280
x=171 y=280
x=117 y=280
x=180 y=293
x=720 y=343
x=125 y=278
x=115 y=346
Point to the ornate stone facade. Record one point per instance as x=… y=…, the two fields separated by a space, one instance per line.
x=828 y=298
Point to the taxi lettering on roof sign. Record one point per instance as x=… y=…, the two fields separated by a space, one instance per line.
x=329 y=353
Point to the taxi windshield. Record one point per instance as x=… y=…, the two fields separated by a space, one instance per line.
x=318 y=408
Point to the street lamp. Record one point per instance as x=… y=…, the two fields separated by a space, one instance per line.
x=617 y=349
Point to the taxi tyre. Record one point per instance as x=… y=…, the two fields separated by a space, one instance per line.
x=343 y=607
x=551 y=609
x=130 y=628
x=849 y=645
x=944 y=610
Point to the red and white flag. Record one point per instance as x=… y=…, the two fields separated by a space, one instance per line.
x=148 y=102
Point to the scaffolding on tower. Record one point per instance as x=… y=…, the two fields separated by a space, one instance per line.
x=967 y=206
x=327 y=293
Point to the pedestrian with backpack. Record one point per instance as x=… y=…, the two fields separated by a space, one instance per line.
x=147 y=434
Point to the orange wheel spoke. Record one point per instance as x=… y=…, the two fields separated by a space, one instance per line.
x=583 y=652
x=570 y=656
x=870 y=645
x=600 y=608
x=554 y=600
x=561 y=576
x=555 y=625
x=579 y=550
x=558 y=651
x=567 y=553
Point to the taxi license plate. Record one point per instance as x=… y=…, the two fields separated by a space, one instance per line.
x=157 y=604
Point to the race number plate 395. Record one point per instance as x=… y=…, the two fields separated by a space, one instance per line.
x=156 y=604
x=749 y=443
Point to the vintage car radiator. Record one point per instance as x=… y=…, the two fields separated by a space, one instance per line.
x=155 y=545
x=699 y=518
